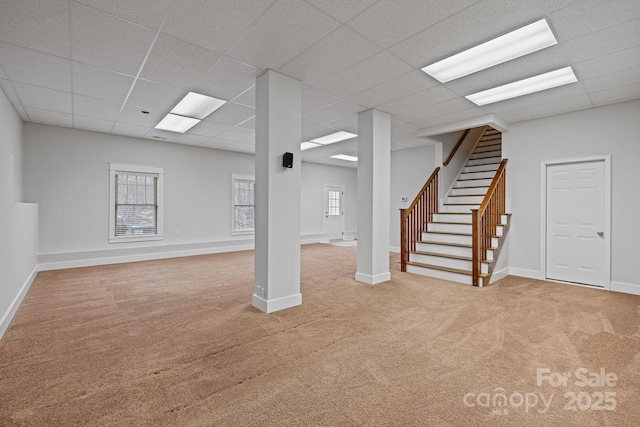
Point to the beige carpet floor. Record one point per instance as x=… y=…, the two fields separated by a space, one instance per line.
x=177 y=343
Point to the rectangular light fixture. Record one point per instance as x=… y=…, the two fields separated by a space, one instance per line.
x=345 y=157
x=306 y=145
x=538 y=83
x=334 y=137
x=175 y=123
x=517 y=43
x=197 y=105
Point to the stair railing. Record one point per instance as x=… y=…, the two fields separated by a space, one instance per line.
x=485 y=220
x=414 y=219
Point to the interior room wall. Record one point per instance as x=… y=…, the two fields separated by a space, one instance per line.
x=18 y=221
x=410 y=169
x=610 y=130
x=66 y=172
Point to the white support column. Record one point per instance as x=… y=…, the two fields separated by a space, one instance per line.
x=277 y=196
x=374 y=192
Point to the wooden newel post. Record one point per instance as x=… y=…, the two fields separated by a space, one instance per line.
x=475 y=247
x=403 y=240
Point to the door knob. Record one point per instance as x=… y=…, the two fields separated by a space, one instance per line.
x=600 y=233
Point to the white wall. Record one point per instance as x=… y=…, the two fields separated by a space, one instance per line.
x=410 y=169
x=614 y=130
x=18 y=221
x=66 y=172
x=314 y=178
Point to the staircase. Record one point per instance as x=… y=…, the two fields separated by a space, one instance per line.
x=445 y=249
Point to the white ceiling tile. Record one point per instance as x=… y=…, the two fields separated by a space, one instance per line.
x=177 y=63
x=150 y=95
x=96 y=108
x=390 y=21
x=248 y=124
x=44 y=98
x=371 y=72
x=338 y=51
x=2 y=74
x=482 y=21
x=93 y=124
x=404 y=130
x=409 y=141
x=618 y=94
x=98 y=83
x=547 y=109
x=396 y=147
x=8 y=90
x=36 y=68
x=47 y=117
x=418 y=100
x=613 y=80
x=589 y=16
x=248 y=98
x=237 y=134
x=108 y=42
x=340 y=9
x=614 y=39
x=161 y=135
x=133 y=115
x=313 y=99
x=209 y=129
x=231 y=114
x=36 y=24
x=189 y=139
x=312 y=130
x=617 y=61
x=127 y=129
x=282 y=33
x=215 y=26
x=401 y=86
x=144 y=12
x=451 y=118
x=348 y=123
x=333 y=112
x=216 y=143
x=22 y=113
x=227 y=79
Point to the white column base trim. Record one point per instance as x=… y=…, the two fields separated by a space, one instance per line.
x=373 y=280
x=269 y=306
x=627 y=288
x=13 y=308
x=394 y=249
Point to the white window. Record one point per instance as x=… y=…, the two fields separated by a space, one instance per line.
x=135 y=202
x=242 y=204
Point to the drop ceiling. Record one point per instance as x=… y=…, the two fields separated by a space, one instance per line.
x=119 y=66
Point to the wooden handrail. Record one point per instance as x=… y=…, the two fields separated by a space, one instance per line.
x=458 y=144
x=485 y=220
x=414 y=219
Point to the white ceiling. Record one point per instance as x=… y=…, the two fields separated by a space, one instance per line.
x=96 y=64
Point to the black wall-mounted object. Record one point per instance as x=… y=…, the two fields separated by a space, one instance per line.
x=287 y=160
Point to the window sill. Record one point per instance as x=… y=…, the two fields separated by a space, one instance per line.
x=135 y=238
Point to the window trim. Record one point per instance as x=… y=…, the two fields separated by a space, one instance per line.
x=241 y=177
x=115 y=168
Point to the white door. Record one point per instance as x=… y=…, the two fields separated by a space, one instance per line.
x=334 y=211
x=576 y=222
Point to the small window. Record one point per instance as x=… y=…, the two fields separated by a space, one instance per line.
x=135 y=208
x=334 y=203
x=243 y=204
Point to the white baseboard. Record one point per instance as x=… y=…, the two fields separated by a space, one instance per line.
x=394 y=249
x=373 y=280
x=501 y=274
x=269 y=306
x=13 y=308
x=627 y=288
x=529 y=274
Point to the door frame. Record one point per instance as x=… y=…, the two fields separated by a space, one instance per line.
x=342 y=205
x=607 y=216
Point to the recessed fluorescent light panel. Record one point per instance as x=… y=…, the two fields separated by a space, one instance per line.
x=538 y=83
x=345 y=157
x=175 y=123
x=334 y=137
x=512 y=45
x=197 y=106
x=306 y=145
